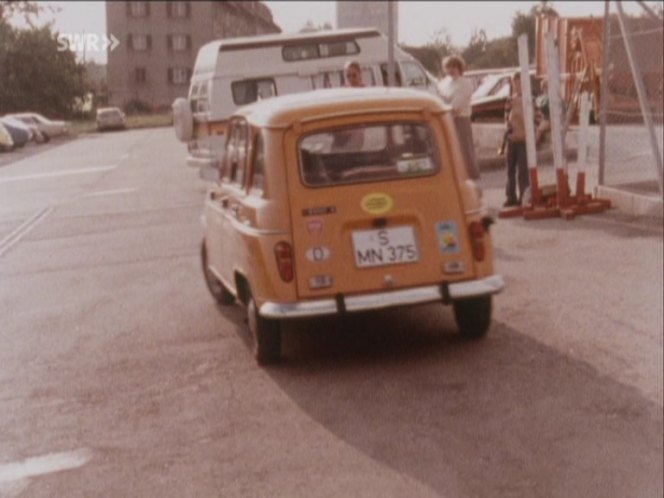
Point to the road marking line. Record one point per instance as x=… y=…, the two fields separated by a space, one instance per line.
x=25 y=227
x=46 y=464
x=58 y=173
x=110 y=192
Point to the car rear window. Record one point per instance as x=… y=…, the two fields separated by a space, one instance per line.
x=109 y=112
x=368 y=153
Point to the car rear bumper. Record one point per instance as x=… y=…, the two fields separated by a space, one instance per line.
x=445 y=293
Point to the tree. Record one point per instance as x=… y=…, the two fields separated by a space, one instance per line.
x=431 y=54
x=24 y=8
x=475 y=48
x=527 y=23
x=36 y=75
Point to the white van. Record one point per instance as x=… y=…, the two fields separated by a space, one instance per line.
x=230 y=73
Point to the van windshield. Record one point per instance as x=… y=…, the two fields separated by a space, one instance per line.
x=365 y=153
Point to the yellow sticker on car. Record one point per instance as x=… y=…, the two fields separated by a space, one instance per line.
x=377 y=203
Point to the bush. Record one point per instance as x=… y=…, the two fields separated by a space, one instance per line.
x=137 y=106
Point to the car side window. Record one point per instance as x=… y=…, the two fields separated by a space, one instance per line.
x=229 y=151
x=258 y=176
x=238 y=153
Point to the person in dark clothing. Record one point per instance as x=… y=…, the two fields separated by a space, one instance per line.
x=516 y=159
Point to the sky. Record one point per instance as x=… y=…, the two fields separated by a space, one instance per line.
x=419 y=22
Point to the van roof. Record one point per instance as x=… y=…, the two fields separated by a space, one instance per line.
x=281 y=112
x=280 y=39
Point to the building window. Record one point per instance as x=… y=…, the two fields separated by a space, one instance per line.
x=178 y=9
x=140 y=76
x=179 y=42
x=140 y=42
x=179 y=75
x=138 y=9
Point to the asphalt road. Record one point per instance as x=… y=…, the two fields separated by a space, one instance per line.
x=120 y=377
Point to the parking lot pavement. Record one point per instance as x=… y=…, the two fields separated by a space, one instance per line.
x=116 y=362
x=31 y=149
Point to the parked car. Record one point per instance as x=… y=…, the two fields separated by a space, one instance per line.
x=35 y=135
x=111 y=118
x=345 y=200
x=47 y=127
x=489 y=99
x=20 y=133
x=6 y=142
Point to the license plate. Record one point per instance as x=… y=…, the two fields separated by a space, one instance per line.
x=387 y=246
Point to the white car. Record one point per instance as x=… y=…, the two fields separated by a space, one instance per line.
x=47 y=127
x=110 y=118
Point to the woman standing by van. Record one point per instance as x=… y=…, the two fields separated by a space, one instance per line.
x=456 y=91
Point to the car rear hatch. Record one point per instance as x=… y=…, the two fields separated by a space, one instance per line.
x=375 y=212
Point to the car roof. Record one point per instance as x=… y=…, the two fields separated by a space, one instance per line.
x=281 y=112
x=107 y=109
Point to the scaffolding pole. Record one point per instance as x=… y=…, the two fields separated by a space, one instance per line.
x=641 y=92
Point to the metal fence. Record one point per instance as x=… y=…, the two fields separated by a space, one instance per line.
x=630 y=153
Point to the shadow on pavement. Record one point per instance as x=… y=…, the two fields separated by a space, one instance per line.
x=505 y=416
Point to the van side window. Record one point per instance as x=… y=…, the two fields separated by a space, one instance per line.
x=413 y=74
x=335 y=79
x=248 y=91
x=313 y=50
x=258 y=177
x=397 y=74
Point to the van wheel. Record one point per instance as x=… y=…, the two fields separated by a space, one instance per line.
x=266 y=335
x=218 y=290
x=473 y=316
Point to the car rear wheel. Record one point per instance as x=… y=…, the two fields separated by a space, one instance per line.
x=473 y=316
x=266 y=335
x=218 y=290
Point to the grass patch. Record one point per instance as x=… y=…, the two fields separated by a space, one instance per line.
x=133 y=122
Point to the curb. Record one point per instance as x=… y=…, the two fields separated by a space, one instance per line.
x=631 y=203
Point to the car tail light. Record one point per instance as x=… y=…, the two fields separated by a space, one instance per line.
x=477 y=240
x=284 y=256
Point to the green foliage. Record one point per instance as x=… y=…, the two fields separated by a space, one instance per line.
x=35 y=75
x=431 y=54
x=498 y=53
x=24 y=8
x=527 y=23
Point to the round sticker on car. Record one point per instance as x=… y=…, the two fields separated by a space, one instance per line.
x=377 y=203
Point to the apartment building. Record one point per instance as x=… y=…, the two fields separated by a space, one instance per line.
x=159 y=42
x=367 y=15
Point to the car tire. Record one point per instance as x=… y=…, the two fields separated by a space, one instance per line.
x=46 y=137
x=218 y=290
x=473 y=316
x=266 y=335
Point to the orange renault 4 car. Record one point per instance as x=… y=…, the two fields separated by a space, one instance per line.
x=345 y=200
